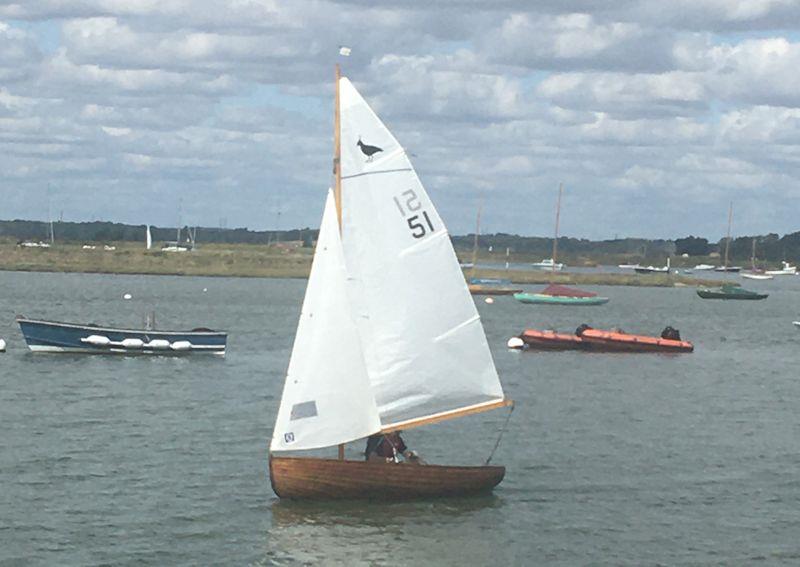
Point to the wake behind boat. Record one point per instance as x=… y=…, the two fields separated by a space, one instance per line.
x=56 y=336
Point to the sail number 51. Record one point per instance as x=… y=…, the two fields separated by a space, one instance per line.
x=419 y=223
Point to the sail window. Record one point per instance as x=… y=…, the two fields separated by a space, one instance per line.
x=303 y=410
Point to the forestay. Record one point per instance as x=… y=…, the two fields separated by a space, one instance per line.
x=425 y=347
x=327 y=398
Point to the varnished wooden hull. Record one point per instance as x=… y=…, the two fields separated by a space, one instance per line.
x=304 y=478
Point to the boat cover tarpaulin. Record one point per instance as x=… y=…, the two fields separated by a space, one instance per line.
x=564 y=291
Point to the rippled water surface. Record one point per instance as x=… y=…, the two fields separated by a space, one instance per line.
x=611 y=458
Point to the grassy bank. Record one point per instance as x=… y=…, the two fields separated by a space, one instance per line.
x=256 y=260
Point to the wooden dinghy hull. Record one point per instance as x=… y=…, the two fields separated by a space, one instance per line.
x=305 y=478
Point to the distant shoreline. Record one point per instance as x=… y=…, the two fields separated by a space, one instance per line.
x=264 y=261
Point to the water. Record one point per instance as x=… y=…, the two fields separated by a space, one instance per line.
x=612 y=458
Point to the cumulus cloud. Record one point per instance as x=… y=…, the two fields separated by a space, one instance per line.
x=638 y=107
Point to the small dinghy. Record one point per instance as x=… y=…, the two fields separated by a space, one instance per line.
x=598 y=340
x=561 y=295
x=729 y=291
x=389 y=339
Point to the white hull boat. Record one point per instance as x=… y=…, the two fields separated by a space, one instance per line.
x=548 y=264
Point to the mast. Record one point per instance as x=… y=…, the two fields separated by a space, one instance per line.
x=558 y=216
x=337 y=173
x=337 y=151
x=728 y=238
x=753 y=255
x=475 y=243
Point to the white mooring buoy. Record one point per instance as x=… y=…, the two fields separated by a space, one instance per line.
x=127 y=296
x=516 y=343
x=2 y=345
x=489 y=300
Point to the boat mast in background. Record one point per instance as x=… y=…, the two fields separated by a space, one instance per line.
x=558 y=217
x=728 y=238
x=475 y=242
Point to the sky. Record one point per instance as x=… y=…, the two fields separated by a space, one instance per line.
x=654 y=115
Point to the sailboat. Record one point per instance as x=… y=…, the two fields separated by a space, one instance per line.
x=555 y=294
x=389 y=338
x=653 y=269
x=550 y=263
x=755 y=273
x=148 y=239
x=486 y=286
x=725 y=267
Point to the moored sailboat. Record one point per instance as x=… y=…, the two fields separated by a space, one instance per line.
x=388 y=339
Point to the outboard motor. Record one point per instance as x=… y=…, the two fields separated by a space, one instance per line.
x=671 y=334
x=581 y=328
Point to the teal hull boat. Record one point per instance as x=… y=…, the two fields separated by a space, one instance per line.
x=729 y=292
x=545 y=299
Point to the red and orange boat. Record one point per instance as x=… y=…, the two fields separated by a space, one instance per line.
x=550 y=340
x=618 y=341
x=598 y=340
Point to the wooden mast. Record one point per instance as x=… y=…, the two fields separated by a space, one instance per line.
x=337 y=173
x=337 y=152
x=555 y=239
x=728 y=238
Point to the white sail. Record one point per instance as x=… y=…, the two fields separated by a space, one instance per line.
x=327 y=397
x=425 y=347
x=149 y=238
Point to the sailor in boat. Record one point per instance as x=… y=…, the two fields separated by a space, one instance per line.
x=388 y=448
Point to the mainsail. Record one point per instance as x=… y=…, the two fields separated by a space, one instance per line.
x=327 y=398
x=425 y=348
x=148 y=239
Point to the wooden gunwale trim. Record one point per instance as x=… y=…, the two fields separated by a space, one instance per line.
x=445 y=415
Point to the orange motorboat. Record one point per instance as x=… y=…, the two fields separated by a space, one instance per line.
x=619 y=341
x=550 y=340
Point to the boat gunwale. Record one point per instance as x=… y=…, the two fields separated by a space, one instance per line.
x=21 y=319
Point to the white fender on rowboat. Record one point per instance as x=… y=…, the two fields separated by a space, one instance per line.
x=181 y=345
x=515 y=342
x=158 y=344
x=96 y=340
x=132 y=343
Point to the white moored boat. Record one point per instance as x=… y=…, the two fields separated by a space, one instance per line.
x=548 y=264
x=787 y=270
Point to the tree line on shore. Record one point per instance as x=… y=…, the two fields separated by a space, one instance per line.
x=770 y=247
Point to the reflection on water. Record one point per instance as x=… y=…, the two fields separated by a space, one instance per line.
x=380 y=533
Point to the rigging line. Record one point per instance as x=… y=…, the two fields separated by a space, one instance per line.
x=499 y=437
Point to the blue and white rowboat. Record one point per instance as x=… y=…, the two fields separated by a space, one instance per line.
x=54 y=336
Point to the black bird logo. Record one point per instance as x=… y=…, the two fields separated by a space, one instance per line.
x=368 y=150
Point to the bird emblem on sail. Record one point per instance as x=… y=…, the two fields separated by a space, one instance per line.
x=368 y=150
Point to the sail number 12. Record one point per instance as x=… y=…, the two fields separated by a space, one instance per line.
x=419 y=223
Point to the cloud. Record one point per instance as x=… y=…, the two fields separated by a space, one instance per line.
x=644 y=110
